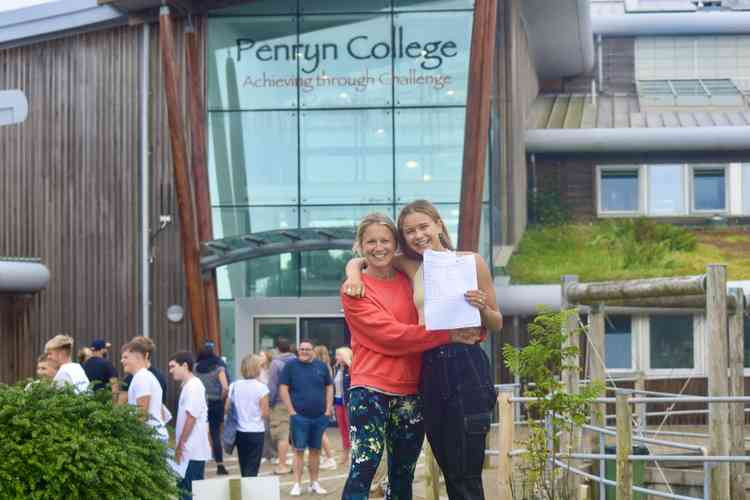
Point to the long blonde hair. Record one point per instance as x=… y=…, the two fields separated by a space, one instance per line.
x=428 y=209
x=346 y=355
x=370 y=220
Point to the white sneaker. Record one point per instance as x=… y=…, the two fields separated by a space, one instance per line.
x=316 y=488
x=328 y=464
x=296 y=490
x=274 y=461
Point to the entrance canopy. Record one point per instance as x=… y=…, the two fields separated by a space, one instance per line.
x=233 y=249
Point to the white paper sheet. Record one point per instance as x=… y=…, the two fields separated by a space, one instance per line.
x=447 y=276
x=179 y=469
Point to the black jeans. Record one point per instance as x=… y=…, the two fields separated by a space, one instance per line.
x=459 y=397
x=215 y=419
x=195 y=472
x=249 y=450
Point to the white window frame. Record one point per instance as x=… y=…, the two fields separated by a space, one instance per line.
x=699 y=348
x=686 y=180
x=641 y=188
x=635 y=327
x=709 y=166
x=744 y=170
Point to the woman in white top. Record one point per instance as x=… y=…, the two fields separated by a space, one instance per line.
x=144 y=390
x=250 y=398
x=60 y=349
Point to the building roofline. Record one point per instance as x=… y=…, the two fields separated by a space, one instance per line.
x=54 y=19
x=672 y=23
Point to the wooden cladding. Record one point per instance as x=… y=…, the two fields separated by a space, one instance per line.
x=69 y=193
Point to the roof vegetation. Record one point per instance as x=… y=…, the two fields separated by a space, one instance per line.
x=627 y=249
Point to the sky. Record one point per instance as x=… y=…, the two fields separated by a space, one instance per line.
x=19 y=4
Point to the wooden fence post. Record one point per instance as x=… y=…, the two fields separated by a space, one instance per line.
x=737 y=388
x=624 y=448
x=597 y=366
x=571 y=441
x=640 y=408
x=505 y=445
x=718 y=385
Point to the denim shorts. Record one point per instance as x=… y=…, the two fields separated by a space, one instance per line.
x=307 y=432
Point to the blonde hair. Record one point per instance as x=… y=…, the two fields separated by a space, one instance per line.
x=250 y=367
x=321 y=352
x=60 y=343
x=346 y=354
x=84 y=354
x=371 y=220
x=428 y=209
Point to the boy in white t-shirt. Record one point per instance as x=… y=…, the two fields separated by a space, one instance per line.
x=59 y=349
x=191 y=434
x=144 y=390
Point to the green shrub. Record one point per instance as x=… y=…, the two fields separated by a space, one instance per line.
x=55 y=444
x=547 y=208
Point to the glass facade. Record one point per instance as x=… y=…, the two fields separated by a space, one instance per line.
x=320 y=112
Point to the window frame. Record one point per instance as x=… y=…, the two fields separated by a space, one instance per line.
x=600 y=169
x=686 y=189
x=699 y=347
x=634 y=334
x=724 y=167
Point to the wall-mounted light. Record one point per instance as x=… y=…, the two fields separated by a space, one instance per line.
x=175 y=313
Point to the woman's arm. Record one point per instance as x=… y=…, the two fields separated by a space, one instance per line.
x=353 y=285
x=265 y=410
x=379 y=331
x=224 y=383
x=484 y=298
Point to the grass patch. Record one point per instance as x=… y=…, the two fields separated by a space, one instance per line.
x=626 y=249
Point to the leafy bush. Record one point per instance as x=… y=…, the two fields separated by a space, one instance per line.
x=547 y=208
x=643 y=242
x=542 y=362
x=55 y=444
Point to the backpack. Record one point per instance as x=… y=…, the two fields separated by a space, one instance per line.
x=211 y=382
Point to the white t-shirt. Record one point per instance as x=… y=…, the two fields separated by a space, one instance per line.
x=73 y=374
x=246 y=395
x=193 y=401
x=145 y=384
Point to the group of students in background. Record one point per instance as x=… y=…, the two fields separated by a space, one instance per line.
x=282 y=398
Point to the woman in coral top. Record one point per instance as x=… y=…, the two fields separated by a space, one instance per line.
x=456 y=380
x=385 y=409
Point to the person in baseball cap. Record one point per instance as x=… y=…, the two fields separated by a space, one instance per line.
x=98 y=368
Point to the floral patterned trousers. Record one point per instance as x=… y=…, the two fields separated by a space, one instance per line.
x=376 y=422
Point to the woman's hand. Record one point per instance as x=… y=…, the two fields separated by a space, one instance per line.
x=477 y=298
x=465 y=335
x=353 y=287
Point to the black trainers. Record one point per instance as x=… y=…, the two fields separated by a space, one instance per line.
x=221 y=470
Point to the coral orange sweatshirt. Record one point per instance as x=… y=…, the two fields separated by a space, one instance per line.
x=387 y=340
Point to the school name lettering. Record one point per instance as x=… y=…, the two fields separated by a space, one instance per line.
x=360 y=47
x=358 y=83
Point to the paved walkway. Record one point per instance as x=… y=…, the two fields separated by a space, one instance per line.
x=333 y=480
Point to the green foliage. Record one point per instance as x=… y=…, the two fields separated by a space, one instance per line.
x=541 y=363
x=643 y=242
x=625 y=249
x=55 y=444
x=547 y=208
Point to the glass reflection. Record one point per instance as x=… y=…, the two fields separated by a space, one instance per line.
x=252 y=63
x=346 y=156
x=709 y=189
x=345 y=60
x=429 y=154
x=666 y=189
x=432 y=63
x=619 y=190
x=234 y=221
x=339 y=216
x=252 y=158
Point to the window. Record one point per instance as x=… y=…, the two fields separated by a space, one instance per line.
x=330 y=332
x=617 y=342
x=618 y=190
x=666 y=189
x=709 y=189
x=267 y=330
x=671 y=342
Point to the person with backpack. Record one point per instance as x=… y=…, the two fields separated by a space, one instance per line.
x=211 y=370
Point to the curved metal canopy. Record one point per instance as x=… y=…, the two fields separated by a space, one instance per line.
x=233 y=249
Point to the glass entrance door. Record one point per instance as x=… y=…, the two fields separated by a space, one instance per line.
x=267 y=330
x=330 y=332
